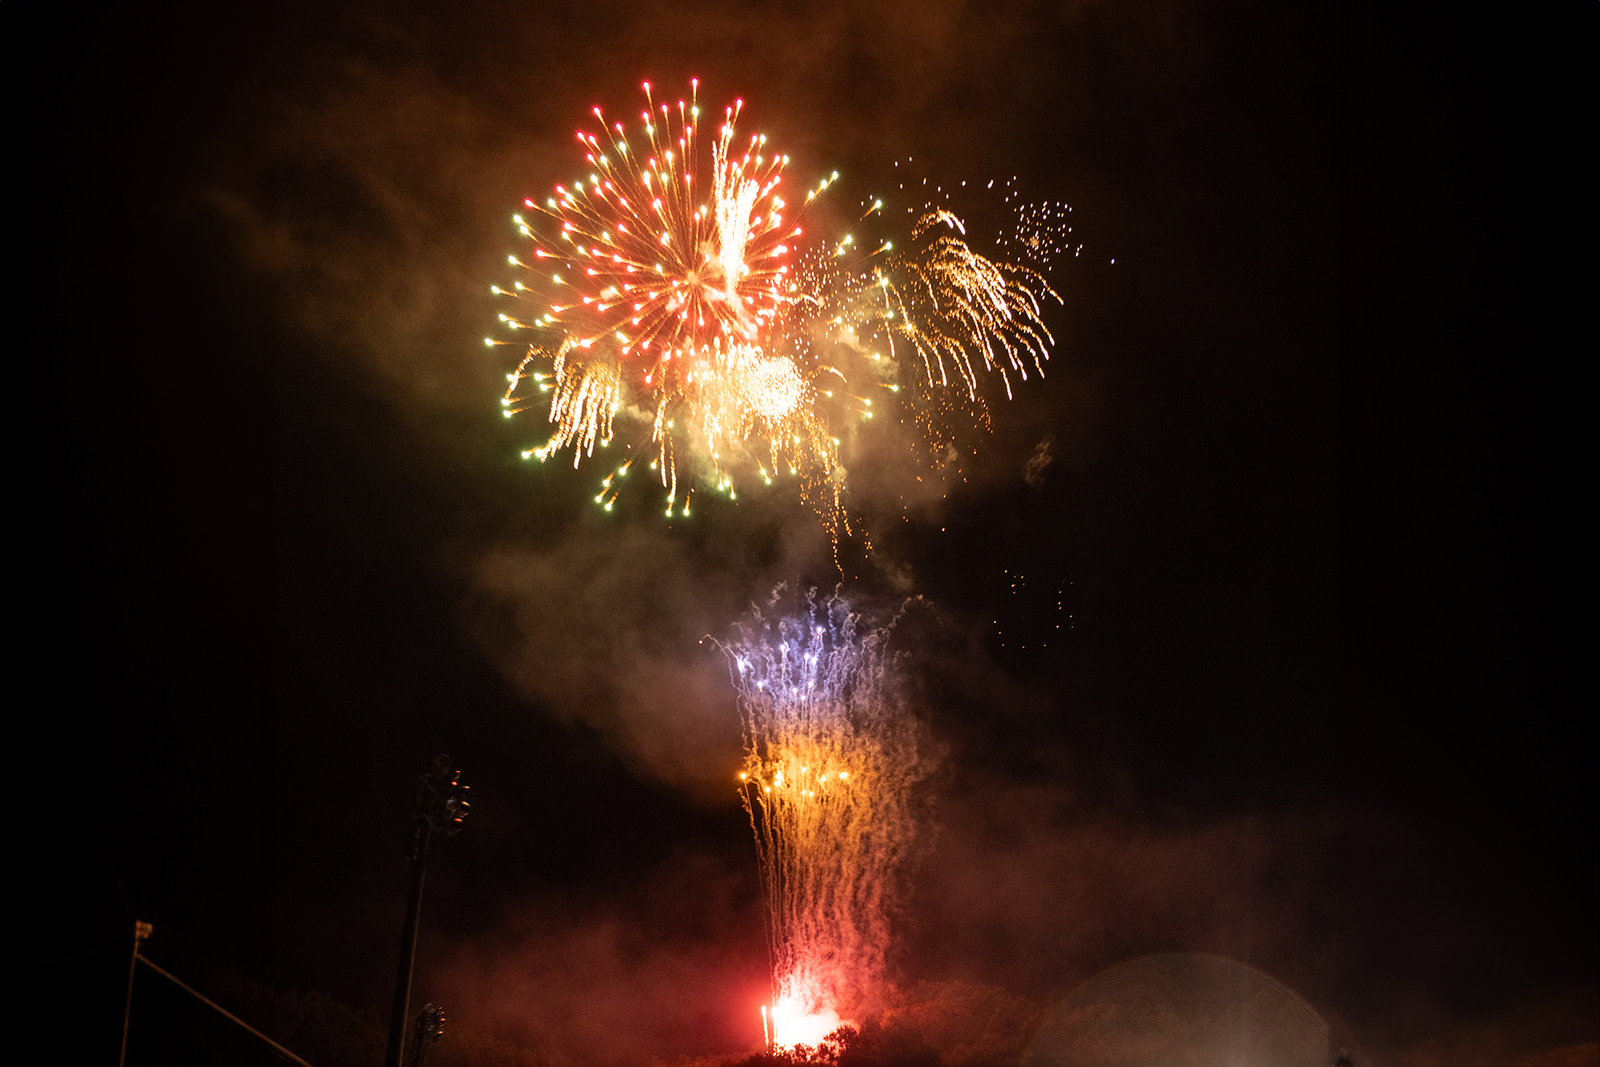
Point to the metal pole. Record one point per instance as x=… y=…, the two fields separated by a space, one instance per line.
x=208 y=1002
x=401 y=1015
x=441 y=805
x=140 y=932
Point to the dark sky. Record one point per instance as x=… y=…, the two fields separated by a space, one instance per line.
x=1318 y=511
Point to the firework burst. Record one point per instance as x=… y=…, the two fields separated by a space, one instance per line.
x=671 y=285
x=656 y=282
x=957 y=308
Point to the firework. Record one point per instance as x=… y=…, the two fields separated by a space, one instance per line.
x=1042 y=232
x=831 y=756
x=656 y=281
x=956 y=307
x=671 y=285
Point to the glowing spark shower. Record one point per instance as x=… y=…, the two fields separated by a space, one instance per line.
x=956 y=307
x=671 y=285
x=831 y=756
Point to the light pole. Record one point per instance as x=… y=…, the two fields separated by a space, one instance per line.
x=441 y=804
x=430 y=1028
x=141 y=931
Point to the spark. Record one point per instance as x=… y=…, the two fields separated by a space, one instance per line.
x=1042 y=232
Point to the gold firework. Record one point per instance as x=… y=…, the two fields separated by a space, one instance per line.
x=957 y=308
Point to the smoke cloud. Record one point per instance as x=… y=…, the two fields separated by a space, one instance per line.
x=675 y=966
x=371 y=197
x=1038 y=464
x=608 y=630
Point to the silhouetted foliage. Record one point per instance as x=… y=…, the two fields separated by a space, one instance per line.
x=326 y=1033
x=871 y=1046
x=313 y=1026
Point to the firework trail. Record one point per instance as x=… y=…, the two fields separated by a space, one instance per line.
x=831 y=756
x=672 y=285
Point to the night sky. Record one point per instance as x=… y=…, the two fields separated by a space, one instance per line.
x=1316 y=524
